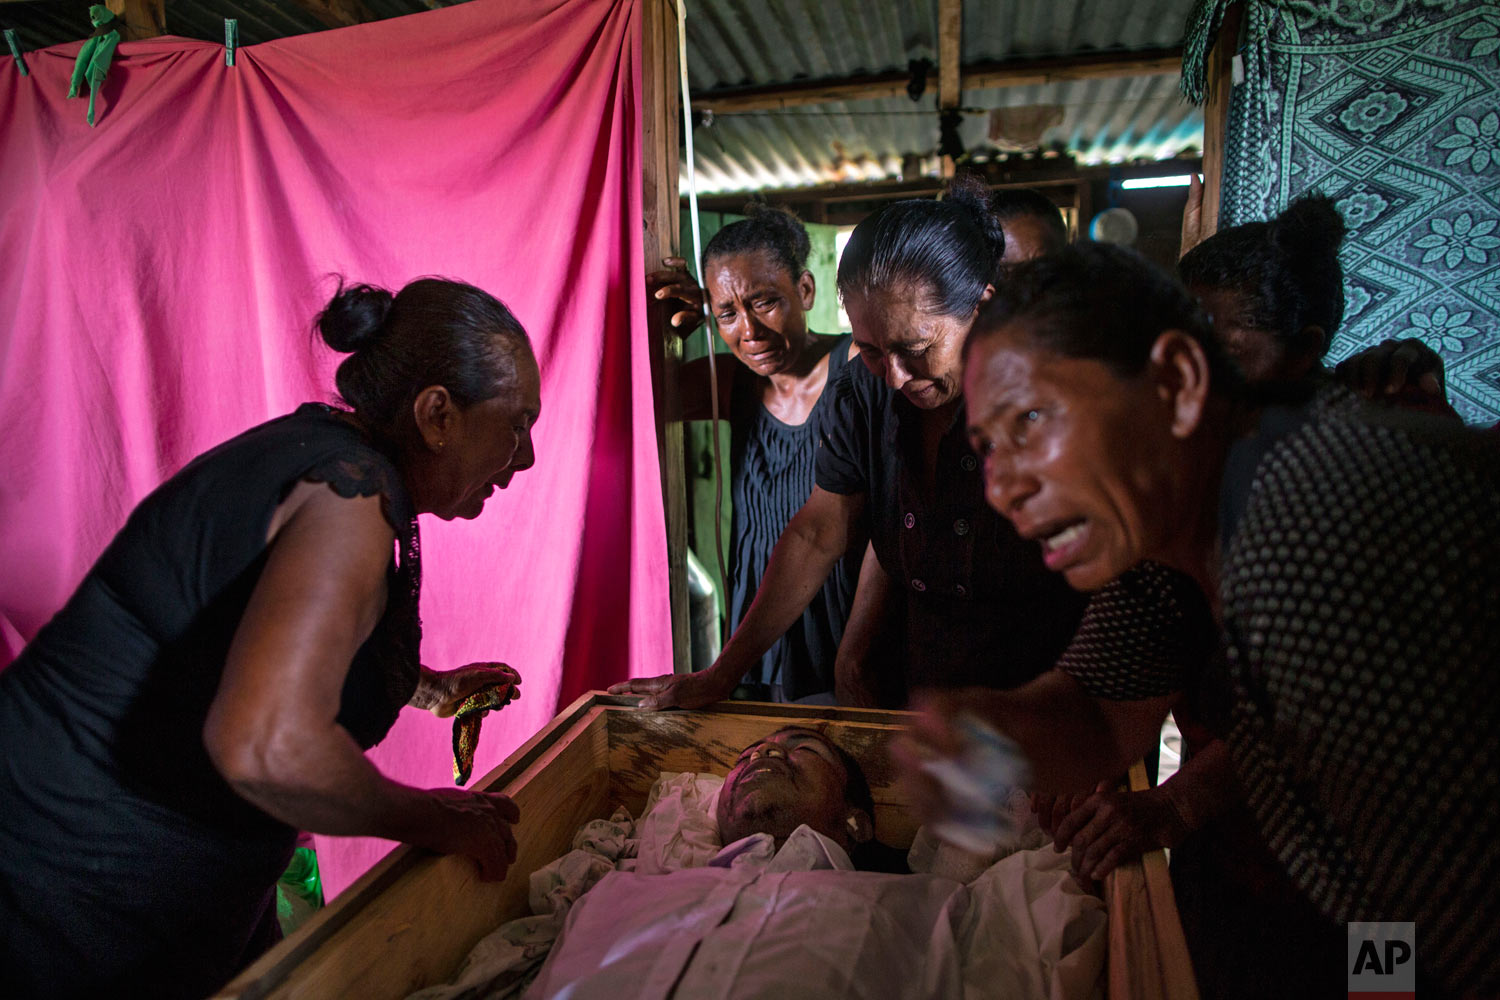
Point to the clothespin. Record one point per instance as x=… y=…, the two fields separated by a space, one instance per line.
x=15 y=51
x=231 y=39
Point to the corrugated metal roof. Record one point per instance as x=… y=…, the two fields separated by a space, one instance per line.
x=736 y=43
x=1103 y=121
x=733 y=44
x=54 y=22
x=1035 y=28
x=259 y=21
x=41 y=24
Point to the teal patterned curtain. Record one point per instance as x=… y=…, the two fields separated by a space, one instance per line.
x=1392 y=108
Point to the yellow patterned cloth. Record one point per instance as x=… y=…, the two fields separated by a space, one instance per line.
x=466 y=722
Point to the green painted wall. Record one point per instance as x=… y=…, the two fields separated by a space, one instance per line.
x=697 y=438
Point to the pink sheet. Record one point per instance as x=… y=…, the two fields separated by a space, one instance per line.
x=161 y=271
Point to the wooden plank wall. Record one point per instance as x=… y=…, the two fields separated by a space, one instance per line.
x=950 y=55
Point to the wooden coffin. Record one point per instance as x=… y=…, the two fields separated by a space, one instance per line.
x=410 y=920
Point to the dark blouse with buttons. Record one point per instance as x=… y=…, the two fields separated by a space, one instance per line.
x=128 y=865
x=773 y=475
x=1356 y=690
x=981 y=607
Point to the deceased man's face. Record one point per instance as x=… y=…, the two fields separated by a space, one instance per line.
x=791 y=777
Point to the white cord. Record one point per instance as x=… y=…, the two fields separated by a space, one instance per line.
x=708 y=322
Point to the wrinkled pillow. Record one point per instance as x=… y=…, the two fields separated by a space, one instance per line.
x=678 y=829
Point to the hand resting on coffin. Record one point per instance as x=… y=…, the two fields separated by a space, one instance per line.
x=813 y=541
x=474 y=824
x=1051 y=809
x=1110 y=827
x=678 y=690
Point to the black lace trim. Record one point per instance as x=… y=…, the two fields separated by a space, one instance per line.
x=363 y=475
x=396 y=642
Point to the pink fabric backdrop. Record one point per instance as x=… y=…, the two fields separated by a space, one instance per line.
x=161 y=271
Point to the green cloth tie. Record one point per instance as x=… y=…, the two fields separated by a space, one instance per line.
x=94 y=58
x=466 y=721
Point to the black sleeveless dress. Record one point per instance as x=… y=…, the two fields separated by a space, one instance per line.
x=772 y=477
x=126 y=861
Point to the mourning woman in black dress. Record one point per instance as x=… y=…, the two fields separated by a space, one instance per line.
x=760 y=291
x=210 y=688
x=1349 y=554
x=892 y=455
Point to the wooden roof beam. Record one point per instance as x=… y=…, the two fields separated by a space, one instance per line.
x=143 y=18
x=950 y=68
x=1015 y=172
x=977 y=76
x=337 y=13
x=950 y=51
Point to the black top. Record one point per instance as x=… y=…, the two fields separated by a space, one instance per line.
x=772 y=479
x=1360 y=591
x=1142 y=636
x=1361 y=605
x=981 y=607
x=125 y=858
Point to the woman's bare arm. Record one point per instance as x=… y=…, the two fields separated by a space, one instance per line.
x=271 y=729
x=867 y=617
x=815 y=538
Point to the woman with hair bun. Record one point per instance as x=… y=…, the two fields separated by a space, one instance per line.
x=210 y=688
x=1275 y=292
x=760 y=291
x=1275 y=289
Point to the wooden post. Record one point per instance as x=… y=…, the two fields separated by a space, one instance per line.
x=987 y=75
x=1148 y=956
x=1216 y=116
x=661 y=114
x=143 y=18
x=1083 y=208
x=950 y=60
